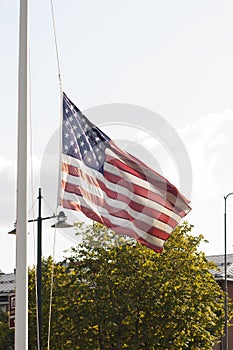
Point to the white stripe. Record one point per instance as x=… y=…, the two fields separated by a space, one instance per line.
x=119 y=222
x=147 y=172
x=132 y=178
x=165 y=195
x=91 y=190
x=115 y=171
x=117 y=188
x=95 y=190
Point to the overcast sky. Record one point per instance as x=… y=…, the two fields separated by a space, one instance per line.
x=172 y=58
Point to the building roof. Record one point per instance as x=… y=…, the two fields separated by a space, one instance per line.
x=219 y=260
x=7 y=283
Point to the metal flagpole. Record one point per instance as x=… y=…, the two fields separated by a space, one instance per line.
x=21 y=315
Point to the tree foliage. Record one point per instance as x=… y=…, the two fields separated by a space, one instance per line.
x=113 y=293
x=6 y=334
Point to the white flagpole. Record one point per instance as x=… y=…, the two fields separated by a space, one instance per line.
x=21 y=315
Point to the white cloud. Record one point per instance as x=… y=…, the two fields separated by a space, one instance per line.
x=209 y=142
x=6 y=166
x=7 y=187
x=8 y=184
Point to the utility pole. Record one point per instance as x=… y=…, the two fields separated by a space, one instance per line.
x=225 y=338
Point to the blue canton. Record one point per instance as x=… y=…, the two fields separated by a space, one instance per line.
x=81 y=139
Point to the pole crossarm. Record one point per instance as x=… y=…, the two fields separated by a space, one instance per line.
x=45 y=218
x=229 y=194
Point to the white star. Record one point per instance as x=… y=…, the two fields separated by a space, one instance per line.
x=66 y=110
x=72 y=143
x=85 y=151
x=66 y=147
x=74 y=127
x=71 y=118
x=89 y=159
x=66 y=135
x=100 y=157
x=78 y=135
x=82 y=144
x=97 y=138
x=76 y=150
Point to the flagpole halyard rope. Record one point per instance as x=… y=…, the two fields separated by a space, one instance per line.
x=56 y=45
x=60 y=86
x=54 y=242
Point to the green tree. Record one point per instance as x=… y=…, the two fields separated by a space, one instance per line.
x=6 y=334
x=60 y=292
x=116 y=294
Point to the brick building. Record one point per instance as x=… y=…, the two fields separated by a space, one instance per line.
x=7 y=288
x=220 y=278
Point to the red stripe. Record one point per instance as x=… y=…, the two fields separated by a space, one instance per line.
x=141 y=170
x=123 y=198
x=167 y=191
x=131 y=187
x=143 y=192
x=105 y=221
x=114 y=212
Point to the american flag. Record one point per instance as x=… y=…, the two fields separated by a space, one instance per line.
x=113 y=187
